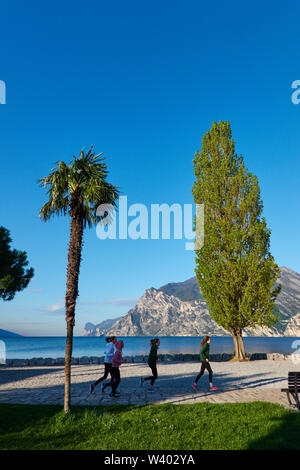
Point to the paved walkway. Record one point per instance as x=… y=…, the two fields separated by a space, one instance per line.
x=237 y=382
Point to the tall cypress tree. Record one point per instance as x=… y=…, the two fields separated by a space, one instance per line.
x=235 y=269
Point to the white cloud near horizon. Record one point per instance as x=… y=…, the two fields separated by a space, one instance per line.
x=57 y=308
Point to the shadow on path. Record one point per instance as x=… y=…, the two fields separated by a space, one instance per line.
x=8 y=375
x=176 y=387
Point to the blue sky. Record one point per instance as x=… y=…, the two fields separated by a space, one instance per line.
x=142 y=81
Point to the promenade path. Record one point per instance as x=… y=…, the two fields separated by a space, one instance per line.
x=238 y=382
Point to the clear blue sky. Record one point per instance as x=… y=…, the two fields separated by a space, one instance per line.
x=142 y=81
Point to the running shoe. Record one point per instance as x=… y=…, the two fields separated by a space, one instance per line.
x=113 y=395
x=195 y=387
x=213 y=388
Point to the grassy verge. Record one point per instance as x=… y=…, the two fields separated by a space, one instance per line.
x=206 y=426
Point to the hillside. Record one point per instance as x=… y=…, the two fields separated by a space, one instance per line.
x=179 y=309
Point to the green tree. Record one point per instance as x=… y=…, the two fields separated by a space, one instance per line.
x=13 y=275
x=235 y=269
x=76 y=189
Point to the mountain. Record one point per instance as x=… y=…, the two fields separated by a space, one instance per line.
x=186 y=291
x=6 y=334
x=157 y=313
x=100 y=329
x=179 y=309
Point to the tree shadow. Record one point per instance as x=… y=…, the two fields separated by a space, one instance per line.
x=177 y=388
x=8 y=375
x=284 y=436
x=246 y=381
x=44 y=427
x=173 y=388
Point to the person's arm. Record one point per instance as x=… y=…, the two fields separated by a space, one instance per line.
x=110 y=350
x=206 y=352
x=203 y=351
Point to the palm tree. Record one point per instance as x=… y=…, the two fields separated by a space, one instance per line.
x=78 y=189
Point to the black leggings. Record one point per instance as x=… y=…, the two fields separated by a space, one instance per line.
x=107 y=370
x=115 y=379
x=205 y=365
x=152 y=377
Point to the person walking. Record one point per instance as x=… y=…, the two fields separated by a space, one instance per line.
x=116 y=362
x=204 y=358
x=109 y=352
x=152 y=359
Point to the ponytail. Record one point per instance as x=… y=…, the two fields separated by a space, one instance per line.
x=205 y=339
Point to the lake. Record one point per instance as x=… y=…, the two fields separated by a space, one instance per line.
x=29 y=347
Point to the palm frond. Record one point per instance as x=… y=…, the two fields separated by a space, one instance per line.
x=84 y=176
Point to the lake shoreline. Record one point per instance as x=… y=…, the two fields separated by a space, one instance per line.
x=137 y=359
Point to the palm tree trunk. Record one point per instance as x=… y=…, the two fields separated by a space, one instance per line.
x=239 y=348
x=74 y=258
x=68 y=356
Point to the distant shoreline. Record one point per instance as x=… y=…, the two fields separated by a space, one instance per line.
x=96 y=360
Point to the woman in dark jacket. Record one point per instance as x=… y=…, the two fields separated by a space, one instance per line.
x=204 y=358
x=152 y=359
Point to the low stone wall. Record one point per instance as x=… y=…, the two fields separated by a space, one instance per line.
x=86 y=360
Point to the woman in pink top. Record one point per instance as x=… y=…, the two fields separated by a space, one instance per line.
x=116 y=362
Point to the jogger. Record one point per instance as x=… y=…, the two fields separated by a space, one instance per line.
x=116 y=363
x=152 y=359
x=109 y=352
x=204 y=358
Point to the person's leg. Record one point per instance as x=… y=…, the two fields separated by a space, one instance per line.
x=150 y=377
x=203 y=365
x=154 y=372
x=210 y=373
x=117 y=379
x=106 y=370
x=113 y=378
x=109 y=384
x=110 y=370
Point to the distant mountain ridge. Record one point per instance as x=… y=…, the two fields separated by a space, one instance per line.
x=100 y=329
x=179 y=309
x=6 y=334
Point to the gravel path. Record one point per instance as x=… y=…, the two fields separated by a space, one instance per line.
x=237 y=382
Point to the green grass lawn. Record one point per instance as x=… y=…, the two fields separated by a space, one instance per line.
x=206 y=426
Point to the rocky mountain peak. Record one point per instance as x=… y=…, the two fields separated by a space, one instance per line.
x=179 y=309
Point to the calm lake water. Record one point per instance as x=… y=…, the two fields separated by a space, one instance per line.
x=29 y=347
